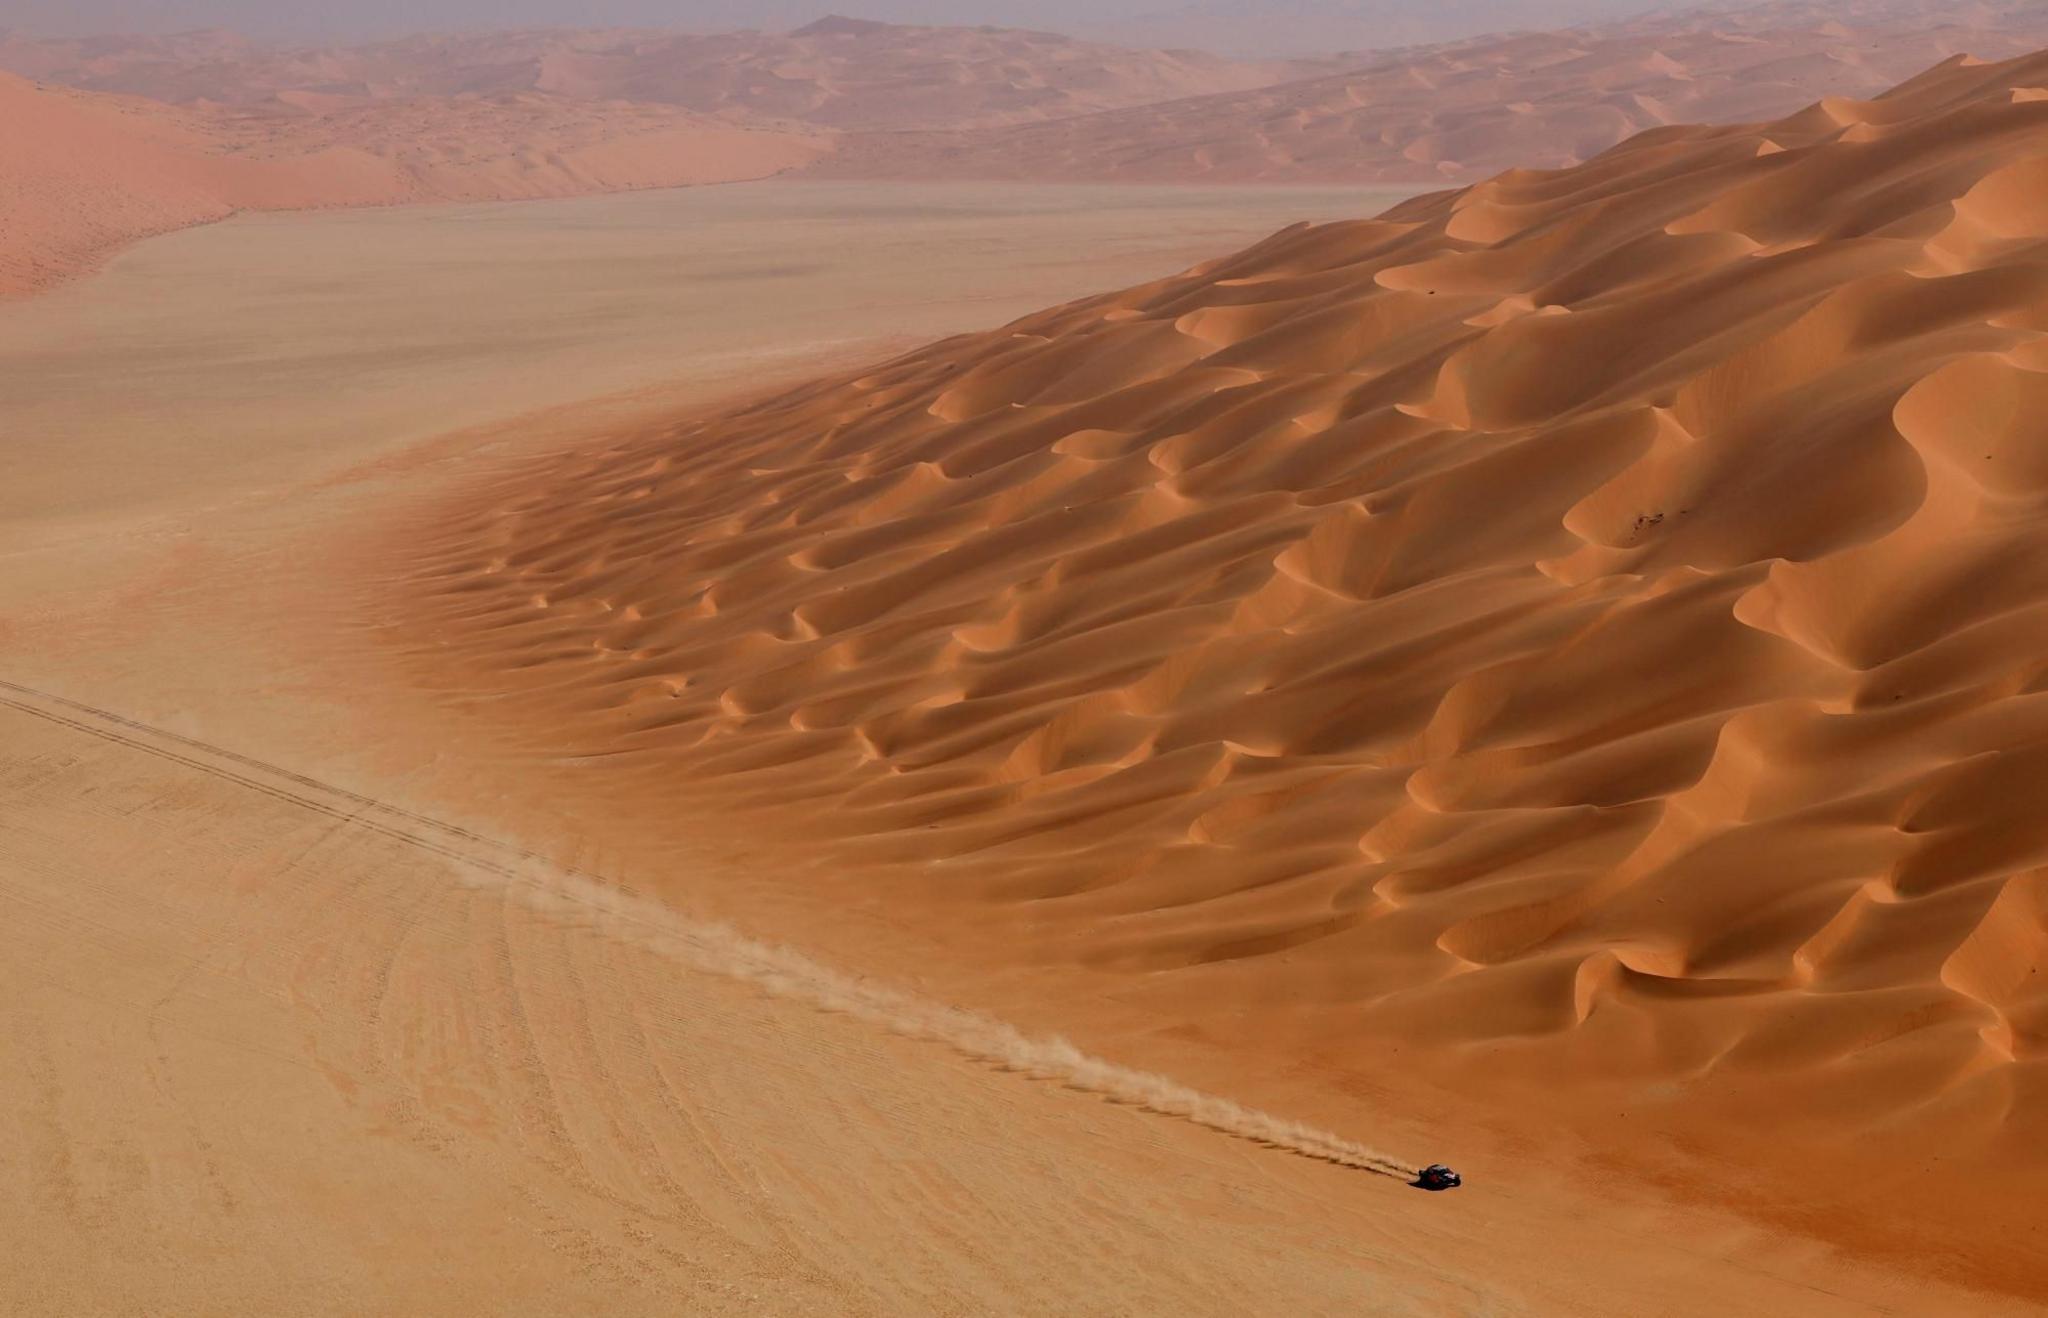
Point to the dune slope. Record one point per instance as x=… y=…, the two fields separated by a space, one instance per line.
x=1585 y=632
x=82 y=174
x=79 y=177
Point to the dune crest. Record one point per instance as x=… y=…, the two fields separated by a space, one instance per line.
x=1586 y=630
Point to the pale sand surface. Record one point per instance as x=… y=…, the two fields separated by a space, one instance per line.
x=275 y=1052
x=283 y=1050
x=229 y=357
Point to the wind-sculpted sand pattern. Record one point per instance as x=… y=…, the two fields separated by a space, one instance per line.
x=1590 y=627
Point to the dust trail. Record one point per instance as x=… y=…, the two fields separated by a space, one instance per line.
x=719 y=950
x=578 y=895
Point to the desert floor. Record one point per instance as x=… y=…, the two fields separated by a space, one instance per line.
x=250 y=351
x=307 y=1009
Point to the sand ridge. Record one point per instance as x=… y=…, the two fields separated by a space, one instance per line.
x=87 y=174
x=1578 y=630
x=836 y=73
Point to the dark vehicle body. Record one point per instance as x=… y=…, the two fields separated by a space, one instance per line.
x=1436 y=1176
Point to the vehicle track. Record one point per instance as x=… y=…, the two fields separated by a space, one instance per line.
x=712 y=948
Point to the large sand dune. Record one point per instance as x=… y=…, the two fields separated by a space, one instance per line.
x=1575 y=641
x=80 y=177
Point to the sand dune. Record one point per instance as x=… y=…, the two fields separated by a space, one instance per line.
x=1579 y=636
x=836 y=73
x=506 y=148
x=1471 y=109
x=82 y=175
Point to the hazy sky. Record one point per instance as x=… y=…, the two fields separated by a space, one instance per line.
x=362 y=18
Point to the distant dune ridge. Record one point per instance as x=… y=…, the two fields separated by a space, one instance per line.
x=1587 y=630
x=1462 y=111
x=838 y=73
x=207 y=123
x=82 y=175
x=142 y=135
x=1264 y=27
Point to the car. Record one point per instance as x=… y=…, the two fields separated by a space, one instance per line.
x=1436 y=1176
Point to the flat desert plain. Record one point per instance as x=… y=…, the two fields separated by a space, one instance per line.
x=269 y=345
x=516 y=802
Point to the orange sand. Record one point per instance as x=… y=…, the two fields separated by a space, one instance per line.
x=1567 y=653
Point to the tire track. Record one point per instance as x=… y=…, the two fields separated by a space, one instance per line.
x=709 y=948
